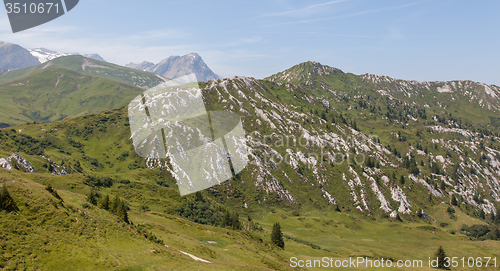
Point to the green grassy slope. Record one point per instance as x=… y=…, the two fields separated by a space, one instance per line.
x=99 y=145
x=98 y=142
x=54 y=93
x=466 y=101
x=91 y=67
x=48 y=234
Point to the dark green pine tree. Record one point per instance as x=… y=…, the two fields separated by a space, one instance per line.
x=495 y=234
x=199 y=197
x=91 y=197
x=49 y=188
x=442 y=186
x=491 y=218
x=7 y=203
x=122 y=211
x=277 y=236
x=226 y=219
x=236 y=221
x=104 y=204
x=482 y=214
x=114 y=205
x=337 y=208
x=454 y=200
x=441 y=255
x=323 y=115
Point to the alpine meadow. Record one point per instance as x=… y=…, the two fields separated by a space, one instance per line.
x=340 y=165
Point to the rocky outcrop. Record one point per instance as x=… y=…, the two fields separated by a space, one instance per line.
x=16 y=161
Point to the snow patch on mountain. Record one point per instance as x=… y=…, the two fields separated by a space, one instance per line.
x=43 y=55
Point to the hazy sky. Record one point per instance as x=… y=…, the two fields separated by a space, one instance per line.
x=420 y=40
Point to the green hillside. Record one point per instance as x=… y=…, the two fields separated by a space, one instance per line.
x=49 y=233
x=91 y=67
x=426 y=172
x=471 y=102
x=53 y=94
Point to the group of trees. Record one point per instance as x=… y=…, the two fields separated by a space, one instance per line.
x=200 y=211
x=481 y=232
x=95 y=181
x=411 y=165
x=32 y=146
x=148 y=235
x=435 y=168
x=116 y=205
x=53 y=192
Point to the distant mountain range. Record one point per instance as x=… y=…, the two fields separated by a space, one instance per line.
x=43 y=55
x=176 y=66
x=13 y=56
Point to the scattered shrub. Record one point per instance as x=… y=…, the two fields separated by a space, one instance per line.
x=95 y=181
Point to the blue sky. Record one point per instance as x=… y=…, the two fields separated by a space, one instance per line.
x=418 y=40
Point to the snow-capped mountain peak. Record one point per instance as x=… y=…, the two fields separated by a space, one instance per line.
x=43 y=55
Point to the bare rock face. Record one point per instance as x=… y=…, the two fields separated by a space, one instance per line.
x=5 y=164
x=16 y=161
x=177 y=66
x=95 y=56
x=13 y=57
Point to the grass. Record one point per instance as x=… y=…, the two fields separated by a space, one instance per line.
x=90 y=67
x=48 y=234
x=54 y=94
x=45 y=234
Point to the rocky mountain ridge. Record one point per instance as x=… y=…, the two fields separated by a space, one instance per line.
x=13 y=56
x=177 y=66
x=43 y=55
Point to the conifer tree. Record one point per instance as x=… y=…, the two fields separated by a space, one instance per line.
x=491 y=218
x=337 y=208
x=441 y=255
x=277 y=236
x=442 y=186
x=236 y=221
x=104 y=204
x=199 y=197
x=482 y=214
x=115 y=204
x=495 y=234
x=122 y=211
x=7 y=203
x=454 y=201
x=49 y=188
x=226 y=220
x=91 y=198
